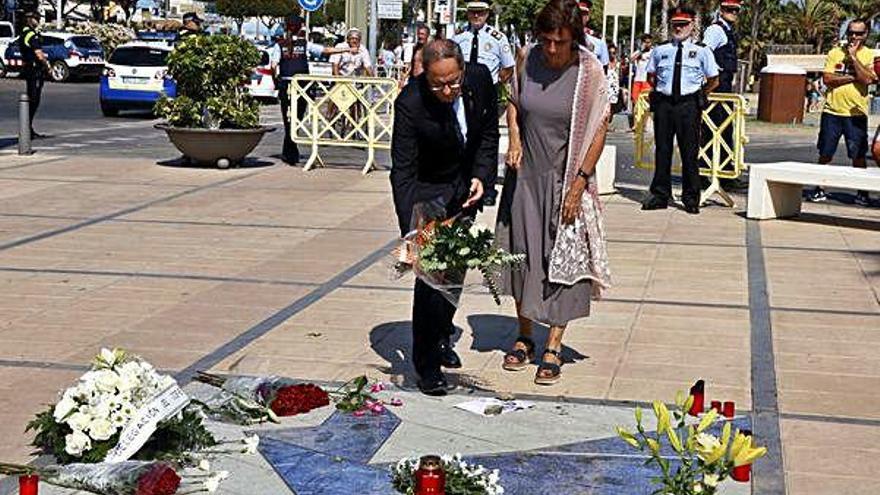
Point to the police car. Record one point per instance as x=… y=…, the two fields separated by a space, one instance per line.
x=71 y=55
x=135 y=77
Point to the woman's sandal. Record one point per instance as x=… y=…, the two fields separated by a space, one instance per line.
x=519 y=359
x=549 y=373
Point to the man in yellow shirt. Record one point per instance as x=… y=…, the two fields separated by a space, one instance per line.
x=848 y=72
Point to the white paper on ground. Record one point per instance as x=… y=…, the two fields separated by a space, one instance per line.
x=479 y=406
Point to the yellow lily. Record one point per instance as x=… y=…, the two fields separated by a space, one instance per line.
x=662 y=413
x=708 y=420
x=674 y=440
x=627 y=437
x=742 y=451
x=654 y=445
x=638 y=414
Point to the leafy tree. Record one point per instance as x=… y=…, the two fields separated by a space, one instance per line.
x=256 y=8
x=815 y=21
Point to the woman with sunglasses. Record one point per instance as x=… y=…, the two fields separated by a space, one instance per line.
x=549 y=206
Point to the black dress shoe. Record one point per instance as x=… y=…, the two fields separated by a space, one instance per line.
x=448 y=357
x=37 y=135
x=655 y=203
x=692 y=208
x=490 y=200
x=434 y=384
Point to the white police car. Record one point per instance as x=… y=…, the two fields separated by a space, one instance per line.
x=71 y=54
x=135 y=76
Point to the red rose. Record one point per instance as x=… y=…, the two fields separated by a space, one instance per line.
x=296 y=399
x=159 y=479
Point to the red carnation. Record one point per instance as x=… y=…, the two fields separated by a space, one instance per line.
x=297 y=399
x=160 y=479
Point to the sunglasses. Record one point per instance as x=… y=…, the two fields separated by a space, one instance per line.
x=856 y=33
x=731 y=10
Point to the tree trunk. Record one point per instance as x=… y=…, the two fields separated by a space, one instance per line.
x=664 y=20
x=756 y=22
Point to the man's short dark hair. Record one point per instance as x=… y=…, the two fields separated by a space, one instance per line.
x=421 y=26
x=859 y=20
x=646 y=37
x=437 y=50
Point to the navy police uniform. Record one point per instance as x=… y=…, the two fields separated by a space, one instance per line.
x=721 y=38
x=31 y=41
x=680 y=69
x=294 y=60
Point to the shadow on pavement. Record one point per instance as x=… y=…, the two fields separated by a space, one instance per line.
x=183 y=162
x=8 y=142
x=498 y=333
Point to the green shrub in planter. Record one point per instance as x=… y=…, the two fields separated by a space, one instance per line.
x=211 y=74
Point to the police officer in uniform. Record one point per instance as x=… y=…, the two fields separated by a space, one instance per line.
x=593 y=41
x=192 y=26
x=683 y=73
x=295 y=50
x=35 y=63
x=483 y=44
x=721 y=38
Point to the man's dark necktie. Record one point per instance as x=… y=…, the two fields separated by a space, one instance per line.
x=676 y=74
x=475 y=45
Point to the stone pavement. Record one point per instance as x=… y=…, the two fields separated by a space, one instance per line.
x=266 y=269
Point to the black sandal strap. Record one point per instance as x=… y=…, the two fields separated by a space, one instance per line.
x=553 y=368
x=519 y=354
x=554 y=352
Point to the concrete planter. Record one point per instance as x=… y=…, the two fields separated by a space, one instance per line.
x=223 y=147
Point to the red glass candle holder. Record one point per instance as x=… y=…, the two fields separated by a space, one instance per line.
x=430 y=477
x=28 y=484
x=742 y=473
x=716 y=404
x=729 y=409
x=698 y=393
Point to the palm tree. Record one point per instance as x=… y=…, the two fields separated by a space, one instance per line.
x=862 y=9
x=815 y=21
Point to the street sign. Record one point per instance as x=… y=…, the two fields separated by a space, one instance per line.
x=622 y=8
x=443 y=10
x=311 y=5
x=390 y=9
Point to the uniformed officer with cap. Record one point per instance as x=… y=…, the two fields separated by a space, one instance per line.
x=593 y=41
x=192 y=26
x=681 y=70
x=35 y=63
x=721 y=38
x=293 y=59
x=481 y=43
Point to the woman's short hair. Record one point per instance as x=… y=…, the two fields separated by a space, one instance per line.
x=560 y=14
x=437 y=50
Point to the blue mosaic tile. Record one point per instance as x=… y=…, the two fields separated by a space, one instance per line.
x=333 y=459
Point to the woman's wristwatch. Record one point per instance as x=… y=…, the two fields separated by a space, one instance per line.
x=581 y=173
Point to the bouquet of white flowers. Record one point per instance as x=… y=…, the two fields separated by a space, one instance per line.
x=119 y=395
x=461 y=478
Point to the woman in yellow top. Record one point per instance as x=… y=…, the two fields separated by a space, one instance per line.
x=848 y=72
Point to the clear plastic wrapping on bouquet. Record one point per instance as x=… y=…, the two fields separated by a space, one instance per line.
x=121 y=478
x=409 y=255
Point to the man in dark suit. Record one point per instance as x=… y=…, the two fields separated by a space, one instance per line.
x=445 y=145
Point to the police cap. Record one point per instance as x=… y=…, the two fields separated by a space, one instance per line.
x=682 y=15
x=479 y=6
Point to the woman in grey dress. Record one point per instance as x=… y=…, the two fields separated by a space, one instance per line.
x=548 y=210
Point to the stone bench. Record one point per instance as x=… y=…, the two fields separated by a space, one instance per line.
x=776 y=189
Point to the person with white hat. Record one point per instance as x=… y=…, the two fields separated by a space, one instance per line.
x=483 y=44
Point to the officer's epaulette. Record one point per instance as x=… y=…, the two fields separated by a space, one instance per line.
x=700 y=43
x=498 y=35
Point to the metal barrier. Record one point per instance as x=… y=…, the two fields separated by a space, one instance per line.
x=354 y=112
x=726 y=159
x=398 y=72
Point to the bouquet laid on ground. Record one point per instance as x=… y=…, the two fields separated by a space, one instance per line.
x=704 y=460
x=121 y=478
x=441 y=251
x=248 y=400
x=461 y=478
x=121 y=408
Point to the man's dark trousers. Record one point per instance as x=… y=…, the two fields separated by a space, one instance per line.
x=432 y=318
x=34 y=81
x=677 y=118
x=289 y=151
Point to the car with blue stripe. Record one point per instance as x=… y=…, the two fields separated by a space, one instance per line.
x=135 y=76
